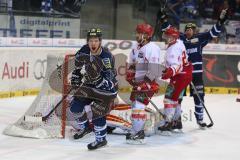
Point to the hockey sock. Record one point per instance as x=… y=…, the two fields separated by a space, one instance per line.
x=138 y=117
x=100 y=129
x=198 y=108
x=169 y=109
x=82 y=125
x=199 y=112
x=178 y=112
x=100 y=133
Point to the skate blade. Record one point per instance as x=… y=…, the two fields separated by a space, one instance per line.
x=102 y=147
x=177 y=131
x=84 y=137
x=202 y=128
x=136 y=142
x=164 y=133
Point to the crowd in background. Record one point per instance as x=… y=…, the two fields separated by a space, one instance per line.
x=187 y=10
x=205 y=12
x=44 y=6
x=179 y=11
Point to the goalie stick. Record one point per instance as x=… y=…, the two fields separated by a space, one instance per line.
x=201 y=101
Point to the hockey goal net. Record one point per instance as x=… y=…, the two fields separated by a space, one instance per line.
x=54 y=88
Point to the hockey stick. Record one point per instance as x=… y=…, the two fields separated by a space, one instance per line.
x=155 y=106
x=44 y=118
x=201 y=101
x=56 y=106
x=164 y=6
x=157 y=26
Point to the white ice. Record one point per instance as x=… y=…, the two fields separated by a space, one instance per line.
x=221 y=142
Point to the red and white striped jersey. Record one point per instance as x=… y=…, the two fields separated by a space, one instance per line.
x=176 y=57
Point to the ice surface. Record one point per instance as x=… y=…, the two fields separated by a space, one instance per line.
x=222 y=142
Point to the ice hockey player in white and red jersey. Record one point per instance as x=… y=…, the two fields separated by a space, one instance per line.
x=194 y=43
x=142 y=71
x=179 y=71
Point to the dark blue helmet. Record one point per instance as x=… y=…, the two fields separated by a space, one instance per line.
x=94 y=32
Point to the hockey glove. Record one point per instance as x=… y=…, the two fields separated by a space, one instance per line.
x=167 y=73
x=145 y=86
x=130 y=77
x=76 y=79
x=223 y=16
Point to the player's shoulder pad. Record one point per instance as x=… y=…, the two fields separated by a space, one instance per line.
x=107 y=58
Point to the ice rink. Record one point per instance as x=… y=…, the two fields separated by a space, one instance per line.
x=221 y=142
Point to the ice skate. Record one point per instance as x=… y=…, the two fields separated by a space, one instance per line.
x=165 y=129
x=97 y=144
x=81 y=133
x=177 y=126
x=137 y=138
x=202 y=125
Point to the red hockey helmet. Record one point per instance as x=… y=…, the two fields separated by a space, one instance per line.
x=145 y=28
x=172 y=31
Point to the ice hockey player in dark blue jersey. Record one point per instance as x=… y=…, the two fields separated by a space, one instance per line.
x=94 y=74
x=194 y=44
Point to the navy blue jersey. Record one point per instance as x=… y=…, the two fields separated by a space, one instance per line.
x=108 y=71
x=194 y=46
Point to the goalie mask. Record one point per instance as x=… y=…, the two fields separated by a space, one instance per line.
x=144 y=32
x=171 y=35
x=94 y=40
